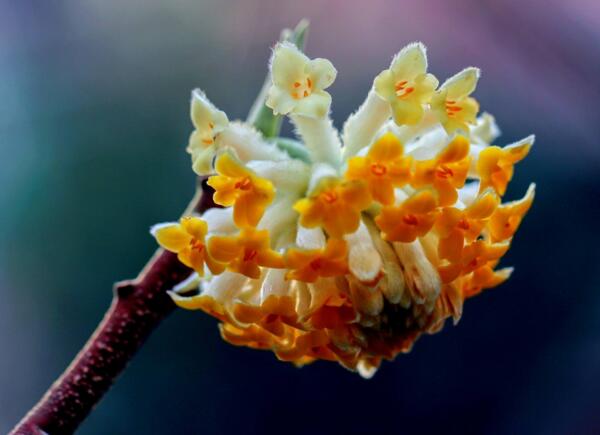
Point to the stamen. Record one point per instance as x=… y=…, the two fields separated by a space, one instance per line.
x=329 y=197
x=463 y=224
x=196 y=245
x=410 y=219
x=400 y=85
x=378 y=169
x=444 y=172
x=296 y=84
x=250 y=255
x=316 y=264
x=452 y=108
x=244 y=184
x=207 y=141
x=309 y=83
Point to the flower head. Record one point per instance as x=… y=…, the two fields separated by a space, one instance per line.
x=383 y=168
x=241 y=188
x=335 y=205
x=406 y=84
x=349 y=248
x=456 y=226
x=308 y=265
x=208 y=122
x=496 y=165
x=413 y=218
x=299 y=83
x=452 y=103
x=446 y=172
x=186 y=239
x=245 y=252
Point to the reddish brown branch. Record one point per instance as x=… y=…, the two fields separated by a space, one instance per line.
x=138 y=307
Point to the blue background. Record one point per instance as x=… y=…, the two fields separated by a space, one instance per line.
x=93 y=124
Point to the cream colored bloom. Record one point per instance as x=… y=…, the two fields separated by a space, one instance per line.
x=406 y=84
x=368 y=241
x=454 y=107
x=208 y=122
x=299 y=83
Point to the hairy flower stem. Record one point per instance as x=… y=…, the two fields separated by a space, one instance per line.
x=137 y=308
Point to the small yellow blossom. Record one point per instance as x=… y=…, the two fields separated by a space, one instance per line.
x=452 y=104
x=299 y=83
x=475 y=255
x=484 y=277
x=406 y=84
x=334 y=205
x=383 y=168
x=447 y=172
x=454 y=226
x=245 y=252
x=309 y=264
x=186 y=239
x=495 y=165
x=241 y=188
x=411 y=219
x=208 y=122
x=506 y=219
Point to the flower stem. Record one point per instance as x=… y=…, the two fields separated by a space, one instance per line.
x=137 y=308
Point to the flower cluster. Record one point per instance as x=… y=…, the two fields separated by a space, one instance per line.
x=351 y=249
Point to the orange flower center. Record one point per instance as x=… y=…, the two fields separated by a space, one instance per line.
x=316 y=264
x=378 y=169
x=410 y=219
x=244 y=184
x=196 y=244
x=302 y=89
x=250 y=254
x=329 y=197
x=452 y=108
x=444 y=172
x=463 y=224
x=402 y=89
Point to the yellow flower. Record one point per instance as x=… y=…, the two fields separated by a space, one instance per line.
x=299 y=83
x=309 y=264
x=208 y=122
x=454 y=226
x=506 y=219
x=447 y=172
x=411 y=219
x=245 y=252
x=495 y=165
x=475 y=255
x=186 y=239
x=484 y=277
x=383 y=168
x=452 y=104
x=334 y=205
x=241 y=188
x=406 y=85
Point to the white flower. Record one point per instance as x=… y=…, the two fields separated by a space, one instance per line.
x=406 y=84
x=456 y=110
x=299 y=83
x=208 y=122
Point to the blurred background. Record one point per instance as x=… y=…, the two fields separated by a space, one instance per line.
x=93 y=125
